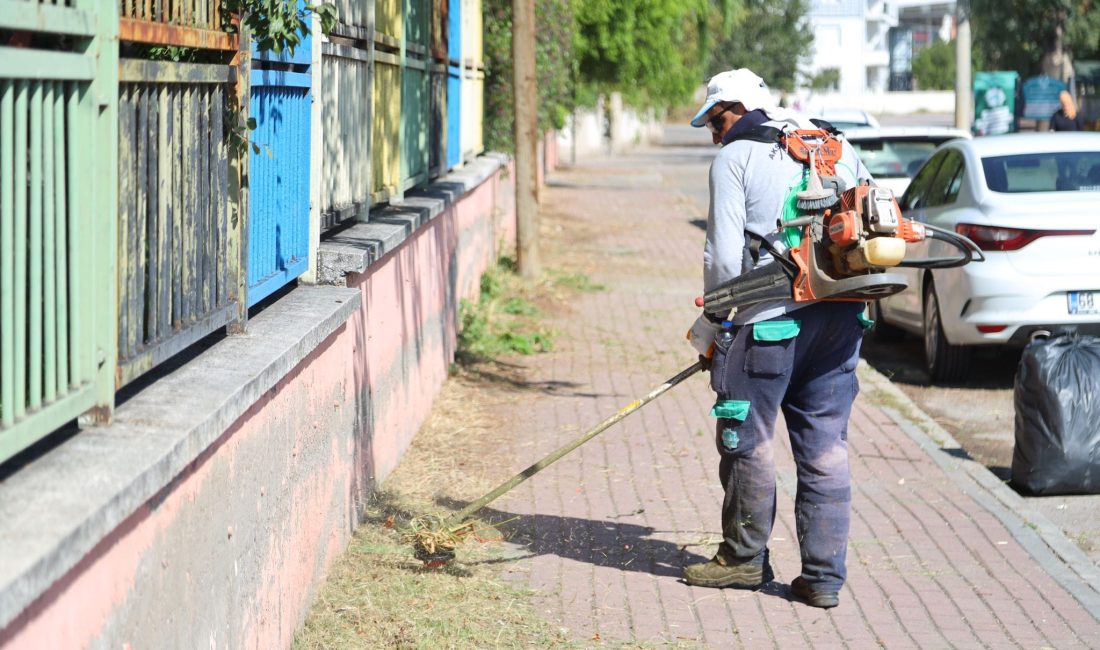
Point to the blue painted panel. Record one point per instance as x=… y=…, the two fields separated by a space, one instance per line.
x=454 y=114
x=280 y=78
x=454 y=30
x=278 y=228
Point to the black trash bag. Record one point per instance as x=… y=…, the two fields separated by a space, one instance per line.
x=1057 y=399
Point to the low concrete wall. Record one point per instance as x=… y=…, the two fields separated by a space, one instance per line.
x=610 y=127
x=210 y=512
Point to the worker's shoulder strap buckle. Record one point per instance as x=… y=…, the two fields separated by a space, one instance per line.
x=824 y=125
x=759 y=133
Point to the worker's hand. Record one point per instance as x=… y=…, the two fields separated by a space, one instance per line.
x=704 y=362
x=701 y=336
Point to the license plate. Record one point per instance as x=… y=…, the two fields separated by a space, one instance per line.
x=1084 y=302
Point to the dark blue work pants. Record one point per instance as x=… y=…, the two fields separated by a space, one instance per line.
x=811 y=376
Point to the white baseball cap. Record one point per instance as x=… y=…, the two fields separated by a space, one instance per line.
x=741 y=85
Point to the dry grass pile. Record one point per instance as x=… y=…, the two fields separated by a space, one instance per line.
x=379 y=595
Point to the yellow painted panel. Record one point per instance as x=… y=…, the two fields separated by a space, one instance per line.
x=479 y=113
x=472 y=39
x=389 y=19
x=386 y=133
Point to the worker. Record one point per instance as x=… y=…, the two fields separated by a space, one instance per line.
x=796 y=357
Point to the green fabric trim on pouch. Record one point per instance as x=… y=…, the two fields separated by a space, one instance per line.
x=793 y=236
x=731 y=409
x=775 y=330
x=867 y=323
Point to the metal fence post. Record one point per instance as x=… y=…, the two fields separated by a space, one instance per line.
x=104 y=91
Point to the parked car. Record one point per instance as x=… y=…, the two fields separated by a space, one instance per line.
x=848 y=118
x=1031 y=202
x=894 y=153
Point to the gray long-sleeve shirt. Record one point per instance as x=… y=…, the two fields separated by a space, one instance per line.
x=750 y=182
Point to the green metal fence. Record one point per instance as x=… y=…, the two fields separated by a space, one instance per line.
x=58 y=115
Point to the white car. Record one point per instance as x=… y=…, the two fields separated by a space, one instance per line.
x=848 y=118
x=894 y=153
x=1032 y=204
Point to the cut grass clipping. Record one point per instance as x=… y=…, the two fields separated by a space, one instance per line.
x=378 y=595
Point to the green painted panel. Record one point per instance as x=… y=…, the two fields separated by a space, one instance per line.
x=25 y=63
x=415 y=125
x=418 y=25
x=24 y=16
x=386 y=133
x=57 y=221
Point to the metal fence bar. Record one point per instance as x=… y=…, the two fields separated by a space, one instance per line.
x=34 y=353
x=61 y=242
x=7 y=254
x=126 y=212
x=83 y=354
x=19 y=405
x=49 y=279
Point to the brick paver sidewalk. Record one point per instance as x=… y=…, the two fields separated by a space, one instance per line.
x=608 y=529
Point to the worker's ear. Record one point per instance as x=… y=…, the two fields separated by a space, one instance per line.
x=738 y=109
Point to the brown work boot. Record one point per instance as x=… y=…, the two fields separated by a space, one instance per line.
x=720 y=572
x=814 y=596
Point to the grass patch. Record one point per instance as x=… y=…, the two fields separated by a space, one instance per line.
x=508 y=315
x=575 y=281
x=379 y=596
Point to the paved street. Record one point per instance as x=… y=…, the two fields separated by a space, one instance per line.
x=941 y=553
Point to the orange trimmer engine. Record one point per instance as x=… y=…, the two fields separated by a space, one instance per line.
x=864 y=233
x=867 y=231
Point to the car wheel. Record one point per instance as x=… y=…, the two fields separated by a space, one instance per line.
x=881 y=331
x=945 y=362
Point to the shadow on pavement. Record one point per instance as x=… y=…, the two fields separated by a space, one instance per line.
x=502 y=373
x=991 y=368
x=605 y=543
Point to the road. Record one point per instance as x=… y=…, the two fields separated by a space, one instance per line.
x=980 y=413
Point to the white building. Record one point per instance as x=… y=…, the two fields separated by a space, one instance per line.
x=870 y=43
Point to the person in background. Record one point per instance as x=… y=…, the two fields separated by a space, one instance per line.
x=1067 y=118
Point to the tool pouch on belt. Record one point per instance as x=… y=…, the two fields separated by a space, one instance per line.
x=769 y=352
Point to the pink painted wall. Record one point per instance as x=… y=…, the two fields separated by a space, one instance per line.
x=232 y=552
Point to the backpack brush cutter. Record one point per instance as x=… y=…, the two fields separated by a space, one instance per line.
x=842 y=241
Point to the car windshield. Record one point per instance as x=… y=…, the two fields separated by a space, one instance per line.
x=895 y=157
x=1066 y=171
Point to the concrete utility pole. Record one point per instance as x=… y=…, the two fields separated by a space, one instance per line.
x=527 y=124
x=964 y=110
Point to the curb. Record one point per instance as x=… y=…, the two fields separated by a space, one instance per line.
x=1043 y=540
